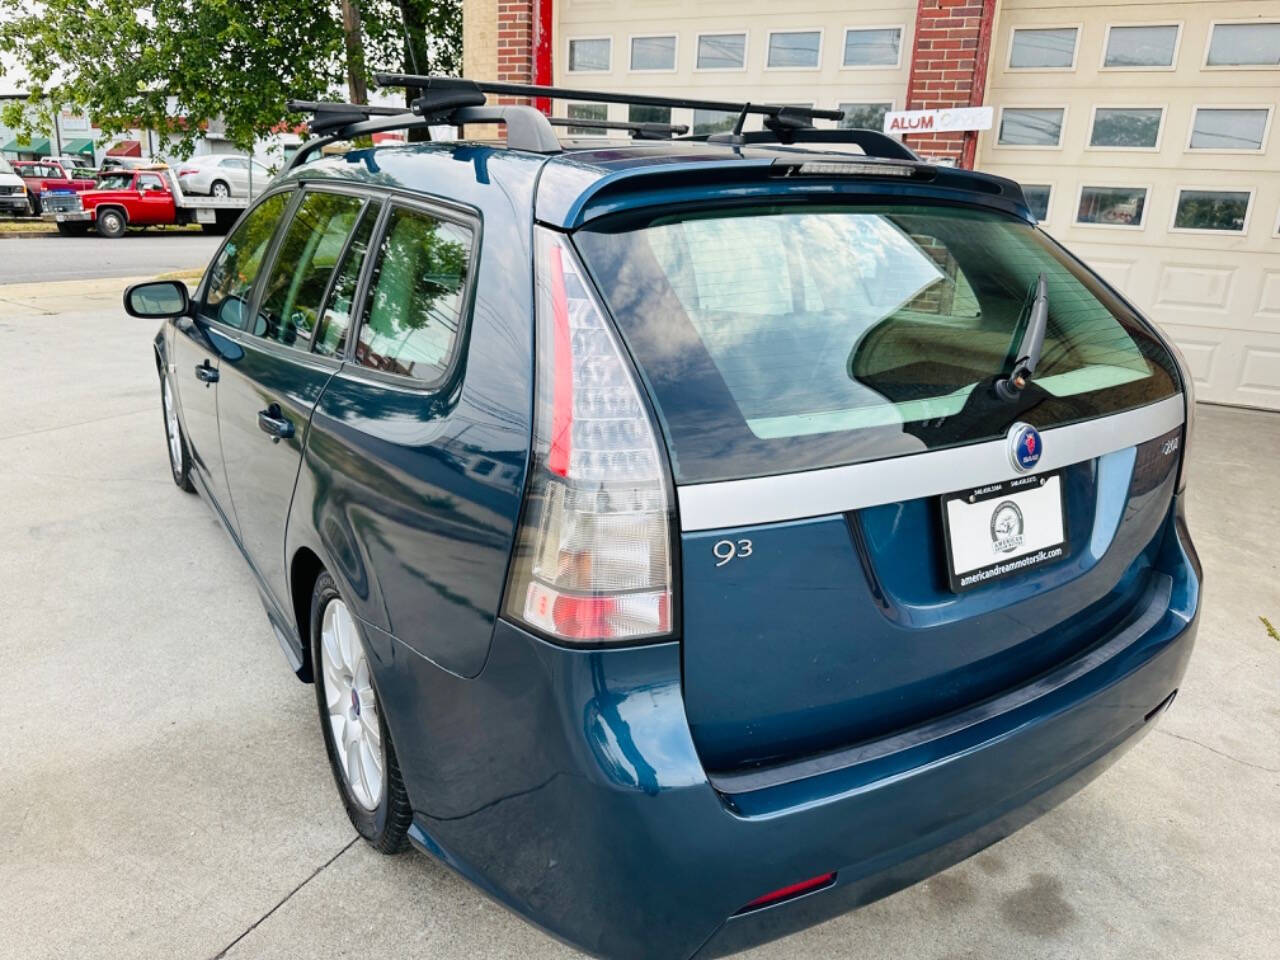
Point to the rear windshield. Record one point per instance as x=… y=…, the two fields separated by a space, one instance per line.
x=786 y=338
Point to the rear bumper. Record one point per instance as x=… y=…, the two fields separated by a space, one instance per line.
x=567 y=786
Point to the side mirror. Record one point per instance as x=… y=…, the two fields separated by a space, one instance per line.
x=158 y=299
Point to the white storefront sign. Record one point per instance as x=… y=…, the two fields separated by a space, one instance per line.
x=899 y=122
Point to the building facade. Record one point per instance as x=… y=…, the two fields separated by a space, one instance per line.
x=1142 y=130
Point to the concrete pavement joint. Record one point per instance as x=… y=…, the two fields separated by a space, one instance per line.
x=1225 y=756
x=287 y=897
x=78 y=423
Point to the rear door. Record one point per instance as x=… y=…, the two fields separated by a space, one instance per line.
x=860 y=552
x=269 y=388
x=202 y=341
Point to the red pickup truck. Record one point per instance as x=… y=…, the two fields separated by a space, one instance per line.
x=144 y=197
x=47 y=176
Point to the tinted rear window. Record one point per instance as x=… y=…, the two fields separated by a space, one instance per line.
x=787 y=338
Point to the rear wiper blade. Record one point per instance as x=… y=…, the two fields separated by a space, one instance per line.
x=1028 y=355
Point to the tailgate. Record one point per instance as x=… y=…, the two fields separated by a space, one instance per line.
x=873 y=535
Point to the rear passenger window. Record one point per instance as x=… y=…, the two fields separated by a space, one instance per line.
x=331 y=337
x=294 y=290
x=234 y=271
x=412 y=315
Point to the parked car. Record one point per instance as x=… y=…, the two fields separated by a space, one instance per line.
x=46 y=177
x=223 y=175
x=13 y=190
x=146 y=197
x=692 y=540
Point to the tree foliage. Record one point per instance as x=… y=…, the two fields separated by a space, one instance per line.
x=174 y=65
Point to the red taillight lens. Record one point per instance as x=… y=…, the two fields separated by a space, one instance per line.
x=592 y=561
x=793 y=890
x=187 y=171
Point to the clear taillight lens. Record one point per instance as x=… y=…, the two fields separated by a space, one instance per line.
x=593 y=561
x=1189 y=399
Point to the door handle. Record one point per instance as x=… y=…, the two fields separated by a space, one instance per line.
x=274 y=424
x=206 y=373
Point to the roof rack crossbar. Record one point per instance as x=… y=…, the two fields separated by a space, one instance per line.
x=640 y=130
x=422 y=82
x=873 y=142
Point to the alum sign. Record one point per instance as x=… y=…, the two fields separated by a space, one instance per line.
x=938 y=121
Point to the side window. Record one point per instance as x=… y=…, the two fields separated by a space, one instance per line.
x=411 y=317
x=331 y=334
x=233 y=272
x=294 y=289
x=149 y=181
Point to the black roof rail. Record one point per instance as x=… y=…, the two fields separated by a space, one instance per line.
x=639 y=130
x=873 y=142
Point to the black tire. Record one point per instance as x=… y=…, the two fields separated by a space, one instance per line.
x=214 y=189
x=33 y=204
x=111 y=223
x=179 y=465
x=386 y=828
x=73 y=229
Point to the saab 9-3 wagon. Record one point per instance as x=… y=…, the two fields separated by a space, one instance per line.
x=689 y=539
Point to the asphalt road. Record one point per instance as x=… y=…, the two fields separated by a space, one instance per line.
x=164 y=792
x=41 y=259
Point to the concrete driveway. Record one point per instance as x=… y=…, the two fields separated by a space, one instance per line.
x=164 y=792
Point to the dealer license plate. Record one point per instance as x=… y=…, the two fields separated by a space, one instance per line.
x=1003 y=529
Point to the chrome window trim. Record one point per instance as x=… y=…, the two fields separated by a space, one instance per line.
x=815 y=493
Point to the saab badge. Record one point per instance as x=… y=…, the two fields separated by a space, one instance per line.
x=1024 y=446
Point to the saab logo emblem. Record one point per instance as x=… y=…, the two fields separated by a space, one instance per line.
x=1025 y=446
x=1006 y=527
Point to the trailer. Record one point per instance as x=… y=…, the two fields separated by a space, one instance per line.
x=143 y=197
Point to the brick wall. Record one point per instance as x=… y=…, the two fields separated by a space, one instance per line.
x=515 y=44
x=948 y=69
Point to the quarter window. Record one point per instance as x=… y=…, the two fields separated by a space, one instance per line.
x=1217 y=128
x=794 y=48
x=1112 y=206
x=1037 y=196
x=722 y=51
x=879 y=47
x=1245 y=45
x=653 y=53
x=236 y=268
x=1132 y=127
x=1225 y=210
x=294 y=290
x=1031 y=126
x=1052 y=49
x=1141 y=46
x=864 y=116
x=331 y=333
x=412 y=316
x=590 y=55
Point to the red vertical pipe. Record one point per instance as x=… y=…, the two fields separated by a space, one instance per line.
x=542 y=50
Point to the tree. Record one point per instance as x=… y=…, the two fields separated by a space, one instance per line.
x=174 y=65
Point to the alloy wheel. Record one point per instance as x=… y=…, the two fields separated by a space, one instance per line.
x=171 y=428
x=352 y=706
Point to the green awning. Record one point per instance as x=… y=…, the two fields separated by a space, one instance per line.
x=83 y=146
x=37 y=145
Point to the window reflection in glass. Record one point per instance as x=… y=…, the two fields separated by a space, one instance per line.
x=1245 y=45
x=794 y=48
x=1037 y=196
x=722 y=51
x=1141 y=46
x=587 y=111
x=589 y=55
x=1217 y=128
x=1134 y=127
x=233 y=273
x=1113 y=206
x=872 y=48
x=331 y=334
x=864 y=116
x=1226 y=210
x=411 y=318
x=1031 y=126
x=653 y=53
x=1041 y=49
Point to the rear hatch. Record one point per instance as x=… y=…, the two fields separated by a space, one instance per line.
x=860 y=551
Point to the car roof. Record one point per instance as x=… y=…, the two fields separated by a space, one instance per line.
x=591 y=178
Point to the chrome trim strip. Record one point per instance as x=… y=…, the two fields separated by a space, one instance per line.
x=815 y=493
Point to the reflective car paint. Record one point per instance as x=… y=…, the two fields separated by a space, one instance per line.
x=569 y=784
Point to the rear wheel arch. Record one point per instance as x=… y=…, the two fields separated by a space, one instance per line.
x=304 y=570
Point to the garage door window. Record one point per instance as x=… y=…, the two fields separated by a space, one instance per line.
x=1031 y=127
x=1137 y=47
x=653 y=53
x=587 y=111
x=1223 y=210
x=722 y=51
x=1130 y=128
x=880 y=47
x=1217 y=128
x=1112 y=206
x=794 y=49
x=411 y=318
x=1053 y=49
x=1245 y=45
x=590 y=55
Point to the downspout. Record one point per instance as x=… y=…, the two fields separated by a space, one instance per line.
x=977 y=95
x=542 y=39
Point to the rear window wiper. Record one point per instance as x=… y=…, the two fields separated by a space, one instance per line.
x=1028 y=354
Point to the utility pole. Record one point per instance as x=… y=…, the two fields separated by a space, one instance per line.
x=353 y=40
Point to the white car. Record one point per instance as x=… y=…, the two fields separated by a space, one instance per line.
x=13 y=191
x=222 y=175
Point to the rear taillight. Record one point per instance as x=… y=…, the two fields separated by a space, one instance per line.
x=1189 y=401
x=187 y=171
x=593 y=552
